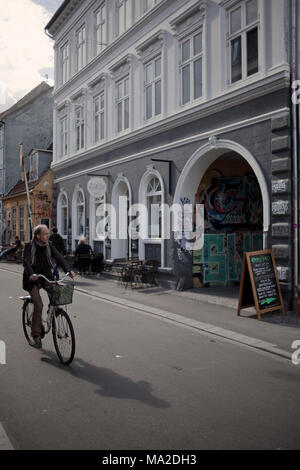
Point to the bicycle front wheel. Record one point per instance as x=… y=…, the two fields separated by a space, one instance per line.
x=27 y=312
x=63 y=336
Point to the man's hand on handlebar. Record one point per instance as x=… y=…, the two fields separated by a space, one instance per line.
x=34 y=277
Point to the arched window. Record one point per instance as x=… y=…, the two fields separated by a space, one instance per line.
x=79 y=214
x=63 y=216
x=154 y=200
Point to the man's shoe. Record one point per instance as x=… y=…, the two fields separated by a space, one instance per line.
x=36 y=342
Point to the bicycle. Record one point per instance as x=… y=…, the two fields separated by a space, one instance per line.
x=57 y=319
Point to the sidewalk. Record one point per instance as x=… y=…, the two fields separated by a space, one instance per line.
x=197 y=307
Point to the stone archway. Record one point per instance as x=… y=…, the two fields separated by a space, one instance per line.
x=187 y=186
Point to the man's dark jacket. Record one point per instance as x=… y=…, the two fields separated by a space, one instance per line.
x=38 y=260
x=58 y=242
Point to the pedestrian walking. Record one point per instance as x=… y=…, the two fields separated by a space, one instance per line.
x=58 y=242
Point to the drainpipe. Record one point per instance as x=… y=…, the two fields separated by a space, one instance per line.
x=295 y=145
x=3 y=180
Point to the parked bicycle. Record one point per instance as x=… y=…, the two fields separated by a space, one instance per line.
x=57 y=318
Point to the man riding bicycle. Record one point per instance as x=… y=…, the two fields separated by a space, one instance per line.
x=37 y=259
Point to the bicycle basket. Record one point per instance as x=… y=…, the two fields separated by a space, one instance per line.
x=61 y=294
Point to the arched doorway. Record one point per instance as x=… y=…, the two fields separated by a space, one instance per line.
x=121 y=247
x=233 y=218
x=227 y=179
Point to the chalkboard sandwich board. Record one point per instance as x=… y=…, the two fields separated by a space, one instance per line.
x=259 y=283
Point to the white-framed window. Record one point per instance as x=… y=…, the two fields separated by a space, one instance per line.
x=100 y=28
x=79 y=127
x=99 y=116
x=99 y=208
x=153 y=88
x=81 y=47
x=191 y=59
x=80 y=214
x=123 y=16
x=243 y=40
x=65 y=63
x=63 y=225
x=63 y=130
x=62 y=215
x=122 y=104
x=154 y=201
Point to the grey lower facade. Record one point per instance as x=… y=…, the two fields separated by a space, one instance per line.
x=209 y=149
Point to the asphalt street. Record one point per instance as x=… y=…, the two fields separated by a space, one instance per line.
x=140 y=381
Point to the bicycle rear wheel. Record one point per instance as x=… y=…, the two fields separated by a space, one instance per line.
x=27 y=311
x=63 y=336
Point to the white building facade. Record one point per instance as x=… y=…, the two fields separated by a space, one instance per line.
x=176 y=101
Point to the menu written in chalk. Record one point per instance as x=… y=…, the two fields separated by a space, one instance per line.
x=265 y=281
x=260 y=284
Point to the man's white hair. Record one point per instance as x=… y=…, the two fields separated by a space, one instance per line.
x=38 y=229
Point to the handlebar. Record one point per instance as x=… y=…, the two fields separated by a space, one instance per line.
x=54 y=282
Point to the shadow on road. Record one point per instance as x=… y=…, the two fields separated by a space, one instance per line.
x=111 y=384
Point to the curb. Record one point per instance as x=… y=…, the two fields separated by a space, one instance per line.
x=195 y=324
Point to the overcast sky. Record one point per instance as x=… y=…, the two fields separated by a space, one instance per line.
x=26 y=53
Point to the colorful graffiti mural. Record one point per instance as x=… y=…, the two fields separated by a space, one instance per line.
x=220 y=260
x=232 y=203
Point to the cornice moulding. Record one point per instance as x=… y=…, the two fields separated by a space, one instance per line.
x=146 y=47
x=189 y=18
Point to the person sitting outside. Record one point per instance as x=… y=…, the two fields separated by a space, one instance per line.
x=83 y=254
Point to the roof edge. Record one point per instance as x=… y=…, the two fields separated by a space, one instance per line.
x=57 y=14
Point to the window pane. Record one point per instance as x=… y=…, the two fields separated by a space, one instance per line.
x=157 y=98
x=186 y=51
x=236 y=60
x=102 y=101
x=126 y=113
x=77 y=138
x=158 y=67
x=251 y=11
x=197 y=43
x=186 y=84
x=149 y=102
x=148 y=74
x=80 y=227
x=197 y=78
x=119 y=91
x=64 y=221
x=102 y=126
x=96 y=128
x=252 y=52
x=235 y=20
x=126 y=87
x=82 y=136
x=96 y=105
x=119 y=117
